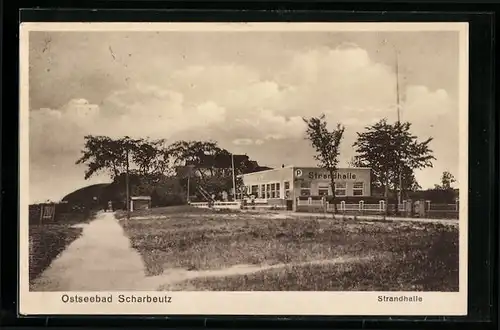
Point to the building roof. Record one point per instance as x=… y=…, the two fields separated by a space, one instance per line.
x=293 y=166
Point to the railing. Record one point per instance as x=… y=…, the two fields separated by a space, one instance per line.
x=416 y=208
x=443 y=207
x=217 y=205
x=257 y=201
x=200 y=204
x=372 y=207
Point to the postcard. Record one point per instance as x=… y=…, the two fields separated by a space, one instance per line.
x=243 y=168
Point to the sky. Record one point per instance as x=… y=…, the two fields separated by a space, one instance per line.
x=247 y=90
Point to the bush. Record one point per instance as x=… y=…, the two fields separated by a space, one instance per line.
x=158 y=200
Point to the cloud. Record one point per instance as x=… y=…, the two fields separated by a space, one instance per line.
x=243 y=142
x=421 y=102
x=244 y=107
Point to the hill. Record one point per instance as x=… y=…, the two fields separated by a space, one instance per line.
x=86 y=195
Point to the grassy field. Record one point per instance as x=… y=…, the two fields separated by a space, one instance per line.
x=47 y=242
x=294 y=254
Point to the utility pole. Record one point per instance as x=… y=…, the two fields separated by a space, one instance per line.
x=187 y=197
x=234 y=178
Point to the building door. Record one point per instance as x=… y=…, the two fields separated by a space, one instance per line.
x=287 y=191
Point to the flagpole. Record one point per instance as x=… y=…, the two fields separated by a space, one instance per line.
x=234 y=179
x=399 y=122
x=127 y=183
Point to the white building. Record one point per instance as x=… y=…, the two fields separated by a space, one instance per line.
x=287 y=183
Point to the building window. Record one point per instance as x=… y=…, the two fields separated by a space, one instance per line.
x=273 y=190
x=305 y=188
x=254 y=191
x=340 y=189
x=268 y=190
x=262 y=191
x=323 y=190
x=305 y=192
x=358 y=189
x=287 y=189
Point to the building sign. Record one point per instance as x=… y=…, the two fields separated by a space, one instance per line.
x=324 y=175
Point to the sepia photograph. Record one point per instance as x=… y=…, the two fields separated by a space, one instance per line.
x=243 y=168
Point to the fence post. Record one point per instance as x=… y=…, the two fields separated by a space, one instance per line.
x=41 y=214
x=309 y=200
x=342 y=206
x=382 y=205
x=361 y=206
x=409 y=208
x=53 y=213
x=423 y=208
x=457 y=205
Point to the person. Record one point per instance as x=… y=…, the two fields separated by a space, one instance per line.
x=110 y=206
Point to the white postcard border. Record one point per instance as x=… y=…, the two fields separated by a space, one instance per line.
x=246 y=303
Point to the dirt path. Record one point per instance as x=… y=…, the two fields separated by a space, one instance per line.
x=100 y=260
x=171 y=277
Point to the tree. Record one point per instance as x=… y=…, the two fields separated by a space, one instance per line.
x=326 y=144
x=104 y=154
x=209 y=166
x=447 y=179
x=140 y=157
x=391 y=150
x=151 y=157
x=408 y=177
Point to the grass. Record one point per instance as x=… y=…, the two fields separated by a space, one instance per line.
x=403 y=256
x=47 y=242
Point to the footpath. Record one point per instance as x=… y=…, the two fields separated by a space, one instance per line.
x=101 y=259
